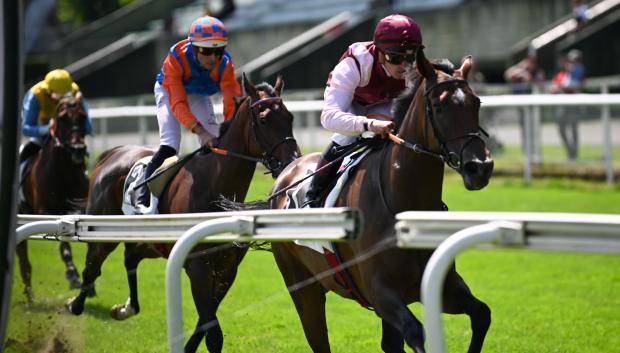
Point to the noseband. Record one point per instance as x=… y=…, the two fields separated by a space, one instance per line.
x=268 y=159
x=453 y=159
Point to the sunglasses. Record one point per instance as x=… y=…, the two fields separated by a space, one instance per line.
x=219 y=51
x=398 y=59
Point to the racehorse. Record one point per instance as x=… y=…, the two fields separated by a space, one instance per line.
x=260 y=130
x=55 y=181
x=438 y=119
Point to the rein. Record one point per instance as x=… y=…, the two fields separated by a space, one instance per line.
x=445 y=156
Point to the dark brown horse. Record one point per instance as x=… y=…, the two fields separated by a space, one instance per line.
x=439 y=114
x=55 y=181
x=261 y=129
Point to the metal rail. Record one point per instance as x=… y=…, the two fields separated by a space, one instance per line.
x=544 y=231
x=335 y=224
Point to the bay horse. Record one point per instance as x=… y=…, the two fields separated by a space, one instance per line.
x=55 y=181
x=439 y=114
x=262 y=128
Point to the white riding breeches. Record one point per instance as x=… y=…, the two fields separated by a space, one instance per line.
x=170 y=127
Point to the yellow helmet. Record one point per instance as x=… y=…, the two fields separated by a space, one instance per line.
x=58 y=82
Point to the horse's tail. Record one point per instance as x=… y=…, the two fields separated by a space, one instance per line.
x=231 y=205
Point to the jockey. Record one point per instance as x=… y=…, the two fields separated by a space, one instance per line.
x=40 y=106
x=195 y=69
x=361 y=88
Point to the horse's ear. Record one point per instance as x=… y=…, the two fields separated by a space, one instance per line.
x=249 y=87
x=279 y=85
x=78 y=97
x=466 y=65
x=425 y=68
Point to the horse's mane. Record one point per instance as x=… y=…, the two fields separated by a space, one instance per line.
x=263 y=87
x=412 y=80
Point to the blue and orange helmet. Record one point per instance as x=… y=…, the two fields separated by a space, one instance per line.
x=208 y=32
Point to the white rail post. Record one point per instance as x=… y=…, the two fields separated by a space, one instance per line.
x=189 y=239
x=60 y=226
x=528 y=137
x=435 y=273
x=607 y=144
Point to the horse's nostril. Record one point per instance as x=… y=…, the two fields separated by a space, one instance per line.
x=472 y=167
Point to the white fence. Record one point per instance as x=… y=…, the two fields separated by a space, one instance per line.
x=187 y=230
x=452 y=232
x=309 y=112
x=449 y=232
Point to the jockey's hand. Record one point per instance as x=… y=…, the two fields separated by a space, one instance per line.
x=380 y=127
x=206 y=139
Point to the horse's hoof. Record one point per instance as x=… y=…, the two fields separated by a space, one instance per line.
x=122 y=311
x=29 y=295
x=73 y=309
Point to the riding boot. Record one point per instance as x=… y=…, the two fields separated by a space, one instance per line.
x=143 y=194
x=323 y=177
x=28 y=150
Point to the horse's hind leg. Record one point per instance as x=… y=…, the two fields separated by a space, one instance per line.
x=396 y=314
x=25 y=269
x=458 y=299
x=95 y=256
x=134 y=253
x=391 y=339
x=308 y=296
x=71 y=272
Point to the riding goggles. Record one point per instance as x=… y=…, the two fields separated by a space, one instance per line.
x=219 y=51
x=397 y=59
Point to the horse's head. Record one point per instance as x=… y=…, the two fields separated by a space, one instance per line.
x=68 y=128
x=272 y=125
x=451 y=111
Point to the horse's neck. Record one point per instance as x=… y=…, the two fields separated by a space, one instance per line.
x=230 y=176
x=413 y=181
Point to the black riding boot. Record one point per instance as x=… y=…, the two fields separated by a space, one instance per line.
x=323 y=178
x=30 y=149
x=143 y=194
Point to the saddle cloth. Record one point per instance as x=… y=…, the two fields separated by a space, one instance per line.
x=296 y=196
x=137 y=175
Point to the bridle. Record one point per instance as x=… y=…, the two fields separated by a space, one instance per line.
x=452 y=159
x=268 y=159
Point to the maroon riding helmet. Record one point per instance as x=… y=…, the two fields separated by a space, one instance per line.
x=398 y=34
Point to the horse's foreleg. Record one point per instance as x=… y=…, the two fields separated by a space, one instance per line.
x=391 y=339
x=202 y=284
x=393 y=311
x=458 y=299
x=308 y=296
x=95 y=256
x=71 y=272
x=25 y=269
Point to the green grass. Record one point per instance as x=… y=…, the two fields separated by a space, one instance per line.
x=541 y=301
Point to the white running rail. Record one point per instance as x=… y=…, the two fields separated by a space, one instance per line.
x=335 y=224
x=452 y=232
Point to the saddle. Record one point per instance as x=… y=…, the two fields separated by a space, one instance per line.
x=137 y=176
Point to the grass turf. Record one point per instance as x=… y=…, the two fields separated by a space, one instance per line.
x=541 y=301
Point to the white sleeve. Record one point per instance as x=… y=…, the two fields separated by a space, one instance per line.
x=338 y=96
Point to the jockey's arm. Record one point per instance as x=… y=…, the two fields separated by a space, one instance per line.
x=30 y=117
x=338 y=96
x=173 y=84
x=230 y=88
x=89 y=122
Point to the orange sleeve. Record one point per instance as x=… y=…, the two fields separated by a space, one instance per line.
x=230 y=88
x=173 y=84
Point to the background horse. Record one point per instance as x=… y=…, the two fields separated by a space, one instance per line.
x=261 y=129
x=440 y=115
x=55 y=181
